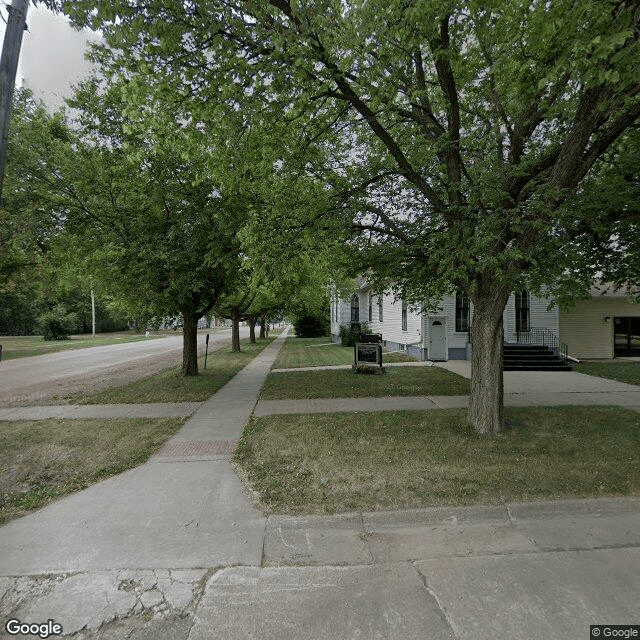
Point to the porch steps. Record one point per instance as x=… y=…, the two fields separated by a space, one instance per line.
x=530 y=357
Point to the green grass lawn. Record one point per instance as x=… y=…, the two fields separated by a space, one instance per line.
x=24 y=346
x=329 y=463
x=620 y=370
x=44 y=460
x=171 y=386
x=396 y=381
x=318 y=352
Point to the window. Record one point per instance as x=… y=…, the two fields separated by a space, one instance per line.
x=404 y=315
x=522 y=311
x=355 y=308
x=462 y=312
x=380 y=308
x=370 y=307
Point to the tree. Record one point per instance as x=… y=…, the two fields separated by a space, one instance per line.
x=607 y=224
x=463 y=126
x=145 y=208
x=29 y=220
x=237 y=301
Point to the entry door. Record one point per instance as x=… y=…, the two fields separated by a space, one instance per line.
x=626 y=336
x=437 y=339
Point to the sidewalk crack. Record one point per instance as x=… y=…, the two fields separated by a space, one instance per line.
x=364 y=535
x=264 y=539
x=442 y=610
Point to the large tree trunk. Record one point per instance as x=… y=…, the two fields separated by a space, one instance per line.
x=189 y=343
x=263 y=324
x=486 y=402
x=252 y=330
x=235 y=333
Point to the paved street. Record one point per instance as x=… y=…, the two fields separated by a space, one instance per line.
x=26 y=380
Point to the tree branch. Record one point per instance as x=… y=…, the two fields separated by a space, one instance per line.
x=440 y=48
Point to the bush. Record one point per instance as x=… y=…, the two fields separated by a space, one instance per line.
x=310 y=326
x=350 y=333
x=57 y=324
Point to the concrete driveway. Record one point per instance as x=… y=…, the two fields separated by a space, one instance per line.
x=525 y=388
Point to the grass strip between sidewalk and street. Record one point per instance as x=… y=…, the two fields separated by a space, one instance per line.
x=26 y=346
x=43 y=460
x=318 y=352
x=171 y=386
x=344 y=383
x=330 y=463
x=620 y=370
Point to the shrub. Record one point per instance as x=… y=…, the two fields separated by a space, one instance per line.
x=312 y=326
x=350 y=333
x=57 y=324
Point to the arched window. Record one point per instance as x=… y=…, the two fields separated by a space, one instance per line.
x=355 y=308
x=462 y=312
x=522 y=311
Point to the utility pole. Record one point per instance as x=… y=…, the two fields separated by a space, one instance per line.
x=93 y=313
x=16 y=25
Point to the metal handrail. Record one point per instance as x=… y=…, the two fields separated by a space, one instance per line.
x=543 y=337
x=537 y=335
x=563 y=353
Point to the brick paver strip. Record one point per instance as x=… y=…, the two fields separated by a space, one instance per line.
x=185 y=449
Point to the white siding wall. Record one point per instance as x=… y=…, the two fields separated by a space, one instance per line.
x=455 y=340
x=538 y=316
x=375 y=325
x=392 y=326
x=584 y=331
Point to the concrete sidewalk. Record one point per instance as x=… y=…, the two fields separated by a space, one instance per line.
x=176 y=550
x=515 y=571
x=628 y=400
x=335 y=367
x=185 y=507
x=522 y=389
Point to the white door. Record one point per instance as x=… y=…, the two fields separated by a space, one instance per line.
x=437 y=339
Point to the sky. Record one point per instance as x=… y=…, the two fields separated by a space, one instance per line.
x=52 y=55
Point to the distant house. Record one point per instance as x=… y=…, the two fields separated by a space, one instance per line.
x=601 y=327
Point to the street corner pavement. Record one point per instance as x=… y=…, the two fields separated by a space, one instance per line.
x=319 y=603
x=529 y=571
x=109 y=605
